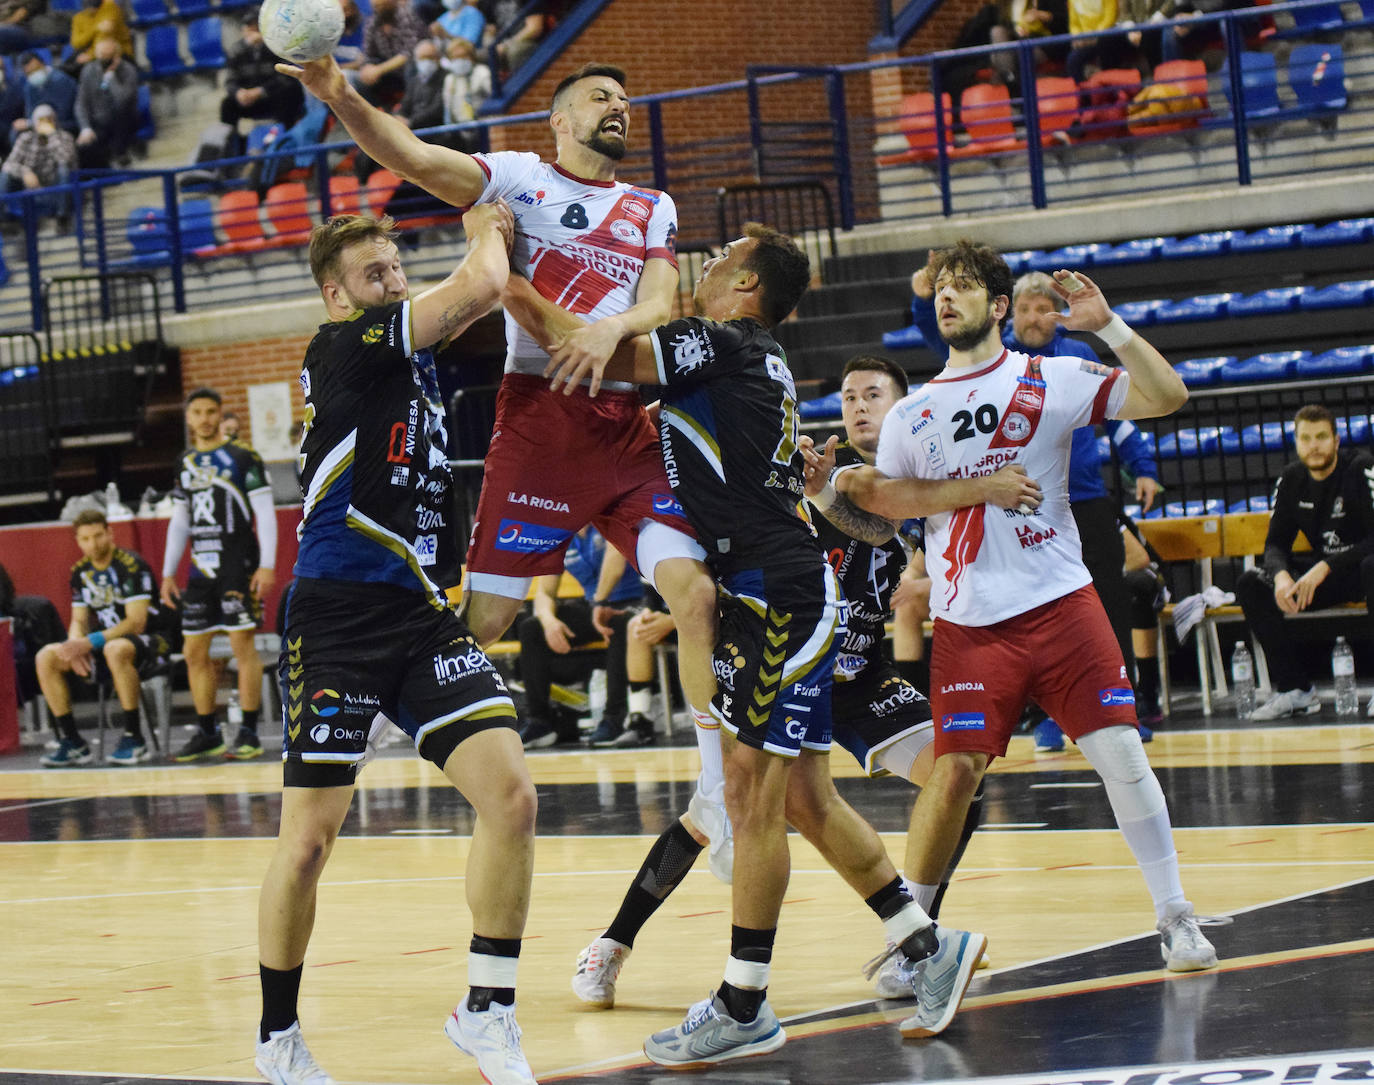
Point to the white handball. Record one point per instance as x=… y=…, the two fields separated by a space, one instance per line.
x=301 y=30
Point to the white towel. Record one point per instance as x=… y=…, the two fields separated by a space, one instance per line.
x=1188 y=612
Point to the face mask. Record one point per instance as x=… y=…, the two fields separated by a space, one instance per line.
x=426 y=68
x=38 y=78
x=453 y=5
x=458 y=65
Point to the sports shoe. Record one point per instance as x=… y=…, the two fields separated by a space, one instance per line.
x=285 y=1060
x=709 y=1035
x=944 y=981
x=598 y=966
x=201 y=745
x=638 y=731
x=1182 y=944
x=710 y=817
x=132 y=750
x=1293 y=702
x=606 y=732
x=492 y=1038
x=1147 y=734
x=67 y=755
x=899 y=977
x=245 y=747
x=538 y=734
x=1048 y=737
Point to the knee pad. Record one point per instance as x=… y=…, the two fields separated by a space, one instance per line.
x=1119 y=758
x=902 y=754
x=659 y=541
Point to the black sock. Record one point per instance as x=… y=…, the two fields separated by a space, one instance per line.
x=1147 y=674
x=747 y=944
x=65 y=727
x=481 y=998
x=279 y=993
x=662 y=871
x=133 y=726
x=208 y=724
x=971 y=820
x=250 y=720
x=889 y=900
x=917 y=672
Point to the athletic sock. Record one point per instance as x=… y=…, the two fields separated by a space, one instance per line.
x=746 y=972
x=917 y=672
x=662 y=871
x=279 y=993
x=250 y=720
x=712 y=782
x=65 y=727
x=641 y=698
x=904 y=922
x=207 y=724
x=971 y=820
x=1147 y=682
x=133 y=726
x=491 y=971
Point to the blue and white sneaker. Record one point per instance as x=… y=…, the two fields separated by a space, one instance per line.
x=132 y=750
x=67 y=755
x=709 y=1035
x=1048 y=737
x=944 y=981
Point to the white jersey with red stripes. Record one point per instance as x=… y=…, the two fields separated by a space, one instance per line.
x=988 y=564
x=583 y=244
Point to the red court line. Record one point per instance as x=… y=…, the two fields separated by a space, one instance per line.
x=698 y=915
x=1067 y=866
x=417 y=952
x=1247 y=843
x=331 y=964
x=54 y=1001
x=1336 y=832
x=799 y=900
x=140 y=990
x=243 y=976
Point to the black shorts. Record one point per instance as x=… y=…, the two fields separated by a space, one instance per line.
x=223 y=604
x=351 y=651
x=874 y=710
x=151 y=651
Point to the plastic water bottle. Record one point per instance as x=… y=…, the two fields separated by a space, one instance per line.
x=1343 y=671
x=1243 y=680
x=596 y=693
x=235 y=712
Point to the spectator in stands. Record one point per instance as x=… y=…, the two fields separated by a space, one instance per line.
x=114 y=633
x=649 y=627
x=989 y=25
x=516 y=29
x=1326 y=496
x=461 y=19
x=389 y=39
x=467 y=84
x=44 y=155
x=349 y=52
x=557 y=626
x=229 y=426
x=46 y=85
x=422 y=104
x=106 y=107
x=14 y=33
x=254 y=89
x=98 y=19
x=11 y=108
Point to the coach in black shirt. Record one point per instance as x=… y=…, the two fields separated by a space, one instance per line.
x=1327 y=496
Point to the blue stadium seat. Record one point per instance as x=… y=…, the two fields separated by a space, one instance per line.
x=1201 y=372
x=821 y=407
x=1268 y=239
x=205 y=39
x=1072 y=256
x=1344 y=232
x=67 y=7
x=147 y=128
x=1270 y=436
x=146 y=12
x=1280 y=299
x=146 y=231
x=1212 y=506
x=1259 y=503
x=1318 y=17
x=163 y=51
x=192 y=9
x=1259 y=78
x=1338 y=362
x=1025 y=260
x=1201 y=307
x=1140 y=313
x=908 y=338
x=1228 y=440
x=1339 y=295
x=1212 y=243
x=1317 y=75
x=1139 y=251
x=1354 y=429
x=1189 y=442
x=1273 y=366
x=197 y=226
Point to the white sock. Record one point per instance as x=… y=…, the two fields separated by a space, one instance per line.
x=924 y=895
x=641 y=700
x=1151 y=841
x=712 y=782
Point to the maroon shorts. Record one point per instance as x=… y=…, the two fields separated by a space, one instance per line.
x=1063 y=654
x=558 y=463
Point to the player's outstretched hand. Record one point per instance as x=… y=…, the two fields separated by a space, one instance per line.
x=1088 y=309
x=582 y=354
x=816 y=464
x=323 y=78
x=1011 y=488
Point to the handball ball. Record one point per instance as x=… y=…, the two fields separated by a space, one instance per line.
x=301 y=30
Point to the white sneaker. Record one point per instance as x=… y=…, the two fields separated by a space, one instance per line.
x=945 y=978
x=492 y=1038
x=1293 y=702
x=899 y=977
x=710 y=817
x=598 y=966
x=1182 y=944
x=285 y=1060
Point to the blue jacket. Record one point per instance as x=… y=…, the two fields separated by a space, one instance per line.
x=1085 y=465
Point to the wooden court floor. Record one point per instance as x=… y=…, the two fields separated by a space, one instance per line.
x=128 y=911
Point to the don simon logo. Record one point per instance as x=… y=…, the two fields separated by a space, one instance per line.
x=325 y=702
x=526 y=538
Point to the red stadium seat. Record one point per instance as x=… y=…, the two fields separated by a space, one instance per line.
x=345 y=195
x=1056 y=98
x=240 y=222
x=986 y=112
x=1180 y=90
x=917 y=123
x=288 y=206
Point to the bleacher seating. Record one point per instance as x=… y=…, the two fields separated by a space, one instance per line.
x=1259 y=79
x=162 y=48
x=205 y=40
x=1316 y=74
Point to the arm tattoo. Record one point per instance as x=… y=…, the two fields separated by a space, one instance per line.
x=857 y=523
x=457 y=316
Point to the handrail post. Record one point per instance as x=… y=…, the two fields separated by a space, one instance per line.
x=942 y=140
x=1236 y=75
x=1030 y=109
x=839 y=127
x=658 y=148
x=755 y=122
x=169 y=197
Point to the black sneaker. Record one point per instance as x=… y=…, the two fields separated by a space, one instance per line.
x=607 y=732
x=538 y=734
x=639 y=731
x=246 y=746
x=200 y=746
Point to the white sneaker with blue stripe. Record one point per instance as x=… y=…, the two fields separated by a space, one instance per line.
x=944 y=981
x=709 y=1035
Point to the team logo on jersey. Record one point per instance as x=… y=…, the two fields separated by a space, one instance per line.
x=935 y=451
x=470 y=660
x=626 y=231
x=962 y=721
x=1030 y=399
x=636 y=210
x=525 y=538
x=1016 y=427
x=373 y=335
x=1032 y=537
x=533 y=199
x=1116 y=695
x=893 y=694
x=324 y=702
x=669 y=504
x=691 y=350
x=727 y=661
x=319 y=732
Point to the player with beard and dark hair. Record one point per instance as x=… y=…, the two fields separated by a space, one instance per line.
x=1328 y=495
x=603 y=250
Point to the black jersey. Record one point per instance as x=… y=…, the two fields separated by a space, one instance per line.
x=107 y=592
x=379 y=500
x=729 y=432
x=1336 y=514
x=217 y=488
x=868 y=576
